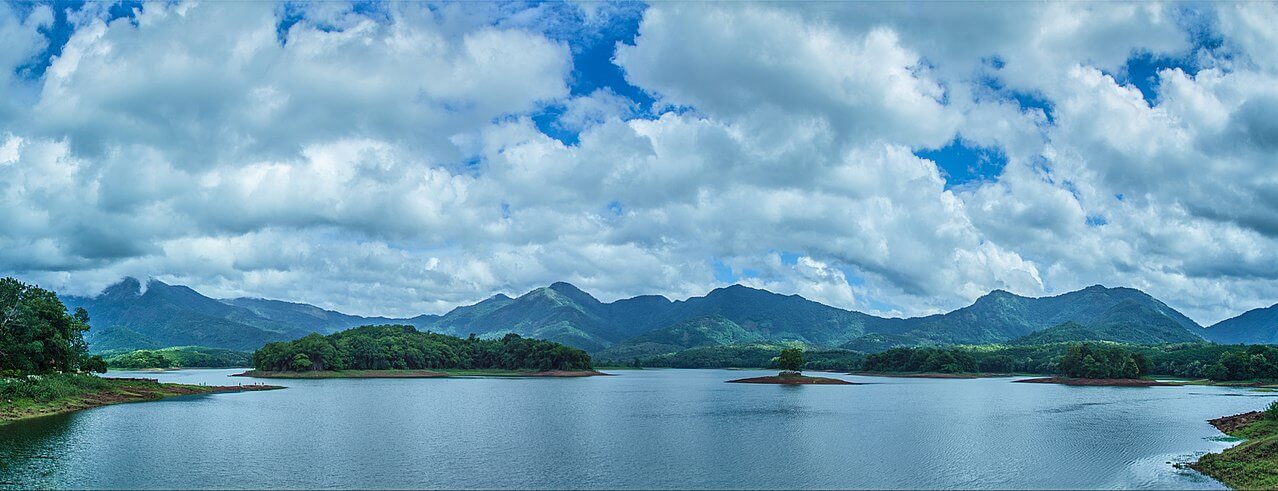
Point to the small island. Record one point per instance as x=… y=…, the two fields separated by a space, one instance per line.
x=400 y=351
x=791 y=362
x=45 y=367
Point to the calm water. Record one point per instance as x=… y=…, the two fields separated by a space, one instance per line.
x=640 y=429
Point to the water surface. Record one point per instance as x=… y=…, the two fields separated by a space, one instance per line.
x=638 y=429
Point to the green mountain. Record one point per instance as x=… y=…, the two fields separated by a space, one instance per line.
x=778 y=317
x=1001 y=316
x=311 y=318
x=1127 y=322
x=560 y=313
x=127 y=316
x=1256 y=326
x=712 y=330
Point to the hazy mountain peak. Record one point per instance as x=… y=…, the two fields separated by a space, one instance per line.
x=126 y=287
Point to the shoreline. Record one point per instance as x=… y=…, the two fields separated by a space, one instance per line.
x=348 y=374
x=121 y=391
x=1098 y=382
x=1251 y=464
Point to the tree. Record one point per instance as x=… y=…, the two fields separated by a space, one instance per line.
x=301 y=362
x=791 y=359
x=37 y=334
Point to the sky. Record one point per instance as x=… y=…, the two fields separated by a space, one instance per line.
x=402 y=158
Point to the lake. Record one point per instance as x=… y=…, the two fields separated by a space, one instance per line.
x=638 y=429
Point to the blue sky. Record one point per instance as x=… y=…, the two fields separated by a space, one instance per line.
x=877 y=157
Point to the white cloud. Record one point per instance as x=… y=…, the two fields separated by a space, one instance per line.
x=390 y=162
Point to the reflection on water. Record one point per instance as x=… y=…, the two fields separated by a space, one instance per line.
x=639 y=429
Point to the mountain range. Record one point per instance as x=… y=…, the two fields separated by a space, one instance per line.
x=132 y=315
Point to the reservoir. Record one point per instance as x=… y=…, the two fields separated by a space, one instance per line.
x=650 y=428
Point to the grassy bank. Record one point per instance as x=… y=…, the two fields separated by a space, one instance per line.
x=437 y=373
x=22 y=398
x=1252 y=464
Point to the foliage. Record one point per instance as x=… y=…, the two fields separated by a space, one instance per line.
x=1271 y=411
x=791 y=359
x=759 y=355
x=49 y=387
x=403 y=347
x=1252 y=464
x=932 y=360
x=178 y=357
x=1087 y=360
x=37 y=335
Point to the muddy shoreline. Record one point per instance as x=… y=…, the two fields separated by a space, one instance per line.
x=1098 y=382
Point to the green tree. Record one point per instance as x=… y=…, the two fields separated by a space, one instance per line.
x=37 y=335
x=301 y=362
x=791 y=359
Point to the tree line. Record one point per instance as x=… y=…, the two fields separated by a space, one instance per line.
x=404 y=347
x=38 y=335
x=1088 y=360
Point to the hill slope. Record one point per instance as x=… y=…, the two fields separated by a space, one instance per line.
x=1001 y=316
x=1256 y=326
x=125 y=316
x=1127 y=322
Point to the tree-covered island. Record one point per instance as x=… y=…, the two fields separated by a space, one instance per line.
x=791 y=362
x=403 y=351
x=45 y=367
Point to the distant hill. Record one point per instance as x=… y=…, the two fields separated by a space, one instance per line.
x=1127 y=322
x=1001 y=316
x=1256 y=326
x=563 y=313
x=311 y=318
x=712 y=330
x=125 y=316
x=128 y=316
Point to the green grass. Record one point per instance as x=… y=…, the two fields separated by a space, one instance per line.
x=1252 y=464
x=28 y=397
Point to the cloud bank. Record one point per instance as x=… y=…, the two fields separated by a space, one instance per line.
x=406 y=158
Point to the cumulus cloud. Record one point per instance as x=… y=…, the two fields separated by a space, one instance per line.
x=404 y=159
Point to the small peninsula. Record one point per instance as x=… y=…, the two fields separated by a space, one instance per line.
x=791 y=362
x=1252 y=464
x=63 y=393
x=400 y=351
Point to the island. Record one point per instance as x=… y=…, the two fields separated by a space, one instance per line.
x=45 y=367
x=401 y=351
x=1252 y=464
x=791 y=362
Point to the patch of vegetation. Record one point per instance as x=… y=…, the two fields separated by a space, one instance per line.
x=178 y=357
x=758 y=355
x=405 y=348
x=37 y=335
x=1252 y=464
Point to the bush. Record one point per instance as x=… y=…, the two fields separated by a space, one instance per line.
x=1271 y=411
x=46 y=388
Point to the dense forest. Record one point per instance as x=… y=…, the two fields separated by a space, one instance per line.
x=37 y=335
x=178 y=357
x=1108 y=360
x=759 y=355
x=404 y=347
